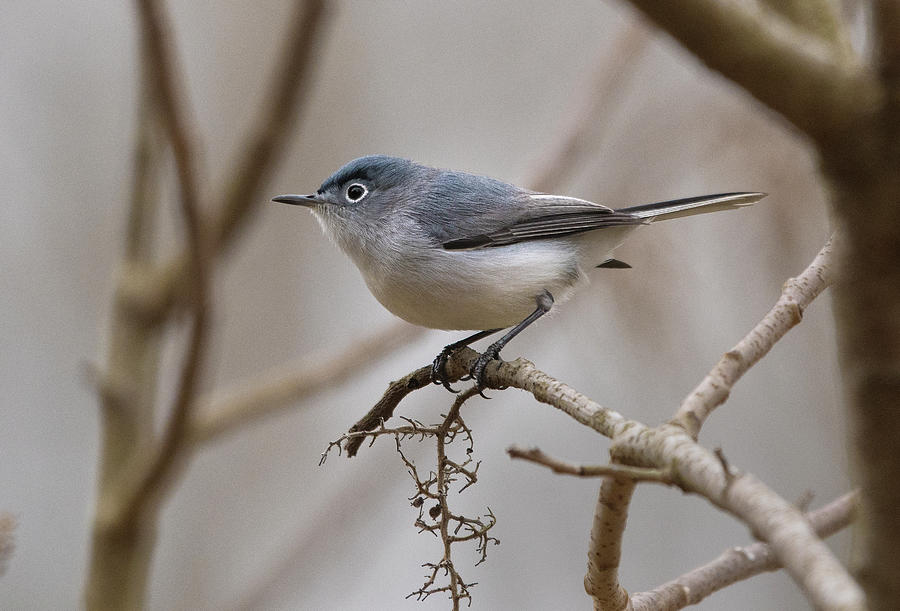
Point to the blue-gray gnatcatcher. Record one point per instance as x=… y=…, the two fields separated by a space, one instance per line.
x=452 y=250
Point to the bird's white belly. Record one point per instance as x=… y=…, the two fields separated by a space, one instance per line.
x=474 y=289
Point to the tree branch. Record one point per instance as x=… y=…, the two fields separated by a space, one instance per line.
x=818 y=17
x=796 y=295
x=808 y=561
x=163 y=75
x=617 y=472
x=797 y=75
x=739 y=563
x=601 y=582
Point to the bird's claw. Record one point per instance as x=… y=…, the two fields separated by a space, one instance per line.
x=476 y=372
x=439 y=370
x=478 y=367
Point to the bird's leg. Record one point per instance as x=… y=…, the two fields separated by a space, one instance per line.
x=544 y=303
x=439 y=365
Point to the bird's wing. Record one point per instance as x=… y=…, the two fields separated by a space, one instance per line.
x=546 y=216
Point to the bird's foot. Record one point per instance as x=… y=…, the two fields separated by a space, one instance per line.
x=477 y=371
x=439 y=369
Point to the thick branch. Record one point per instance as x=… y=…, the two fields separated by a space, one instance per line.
x=738 y=563
x=796 y=295
x=791 y=72
x=601 y=582
x=773 y=519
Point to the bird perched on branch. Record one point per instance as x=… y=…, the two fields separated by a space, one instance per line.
x=453 y=250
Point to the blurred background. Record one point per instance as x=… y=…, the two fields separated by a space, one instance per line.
x=491 y=88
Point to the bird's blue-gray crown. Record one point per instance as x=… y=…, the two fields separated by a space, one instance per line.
x=383 y=170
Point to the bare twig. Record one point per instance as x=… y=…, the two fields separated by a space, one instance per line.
x=796 y=296
x=794 y=73
x=280 y=388
x=619 y=472
x=738 y=563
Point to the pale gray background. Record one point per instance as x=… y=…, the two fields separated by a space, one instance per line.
x=466 y=85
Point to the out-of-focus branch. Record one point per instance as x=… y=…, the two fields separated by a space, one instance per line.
x=602 y=94
x=739 y=563
x=130 y=485
x=169 y=89
x=7 y=539
x=818 y=17
x=796 y=296
x=619 y=472
x=886 y=20
x=794 y=73
x=272 y=127
x=261 y=149
x=279 y=388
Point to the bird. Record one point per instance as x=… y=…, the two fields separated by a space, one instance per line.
x=452 y=250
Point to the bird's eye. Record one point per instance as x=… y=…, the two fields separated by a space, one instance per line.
x=356 y=192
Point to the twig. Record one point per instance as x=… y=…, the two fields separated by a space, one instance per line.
x=796 y=296
x=520 y=374
x=619 y=472
x=280 y=388
x=794 y=73
x=738 y=563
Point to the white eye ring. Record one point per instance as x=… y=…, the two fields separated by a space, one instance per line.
x=356 y=192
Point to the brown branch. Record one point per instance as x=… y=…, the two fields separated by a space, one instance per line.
x=797 y=75
x=157 y=40
x=619 y=472
x=886 y=22
x=280 y=388
x=796 y=296
x=519 y=373
x=739 y=563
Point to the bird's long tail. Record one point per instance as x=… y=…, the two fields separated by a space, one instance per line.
x=693 y=205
